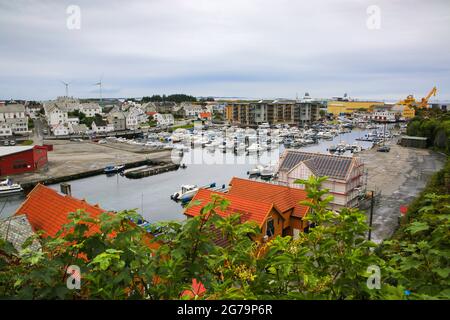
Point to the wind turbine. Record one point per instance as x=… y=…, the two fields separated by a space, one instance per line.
x=100 y=86
x=67 y=88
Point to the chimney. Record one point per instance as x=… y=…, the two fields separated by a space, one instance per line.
x=66 y=189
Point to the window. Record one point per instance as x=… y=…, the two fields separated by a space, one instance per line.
x=270 y=228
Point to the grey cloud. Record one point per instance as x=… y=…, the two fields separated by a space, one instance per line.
x=255 y=48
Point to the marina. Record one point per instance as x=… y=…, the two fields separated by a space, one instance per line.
x=150 y=195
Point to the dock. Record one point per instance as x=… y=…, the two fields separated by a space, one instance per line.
x=150 y=170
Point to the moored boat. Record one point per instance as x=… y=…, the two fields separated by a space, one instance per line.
x=8 y=187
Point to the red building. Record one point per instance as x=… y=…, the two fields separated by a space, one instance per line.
x=19 y=159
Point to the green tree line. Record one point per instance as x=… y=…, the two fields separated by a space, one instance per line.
x=434 y=125
x=178 y=98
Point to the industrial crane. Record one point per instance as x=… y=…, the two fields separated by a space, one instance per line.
x=411 y=102
x=424 y=102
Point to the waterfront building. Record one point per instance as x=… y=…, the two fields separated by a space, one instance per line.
x=55 y=114
x=90 y=109
x=273 y=112
x=13 y=115
x=60 y=129
x=164 y=119
x=274 y=208
x=48 y=211
x=21 y=159
x=118 y=120
x=101 y=126
x=405 y=112
x=5 y=130
x=345 y=105
x=78 y=129
x=131 y=120
x=345 y=174
x=205 y=116
x=192 y=110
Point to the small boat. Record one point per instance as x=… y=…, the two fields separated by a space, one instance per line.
x=256 y=171
x=8 y=187
x=188 y=191
x=255 y=147
x=267 y=172
x=113 y=168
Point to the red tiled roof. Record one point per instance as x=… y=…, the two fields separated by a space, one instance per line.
x=283 y=198
x=151 y=113
x=47 y=210
x=205 y=115
x=249 y=209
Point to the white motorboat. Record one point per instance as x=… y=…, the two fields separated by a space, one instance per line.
x=8 y=187
x=254 y=147
x=186 y=190
x=256 y=171
x=267 y=172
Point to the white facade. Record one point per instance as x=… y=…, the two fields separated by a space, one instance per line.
x=164 y=119
x=5 y=130
x=90 y=109
x=56 y=115
x=193 y=110
x=102 y=128
x=73 y=121
x=60 y=130
x=131 y=120
x=14 y=115
x=140 y=114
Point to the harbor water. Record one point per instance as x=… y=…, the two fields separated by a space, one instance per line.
x=150 y=196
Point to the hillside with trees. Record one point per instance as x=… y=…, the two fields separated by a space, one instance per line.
x=334 y=260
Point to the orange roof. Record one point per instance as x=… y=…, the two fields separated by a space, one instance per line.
x=283 y=198
x=47 y=210
x=249 y=210
x=205 y=114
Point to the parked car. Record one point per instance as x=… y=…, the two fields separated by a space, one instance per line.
x=6 y=143
x=384 y=149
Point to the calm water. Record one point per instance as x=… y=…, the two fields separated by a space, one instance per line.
x=151 y=195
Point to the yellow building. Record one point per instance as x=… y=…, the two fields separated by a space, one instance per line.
x=407 y=112
x=337 y=107
x=229 y=112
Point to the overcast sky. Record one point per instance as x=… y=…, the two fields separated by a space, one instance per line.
x=245 y=48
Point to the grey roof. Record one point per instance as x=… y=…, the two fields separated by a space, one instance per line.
x=336 y=167
x=16 y=107
x=16 y=230
x=79 y=127
x=100 y=122
x=4 y=151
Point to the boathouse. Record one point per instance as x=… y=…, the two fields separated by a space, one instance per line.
x=21 y=159
x=274 y=208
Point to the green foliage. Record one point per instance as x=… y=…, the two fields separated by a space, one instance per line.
x=178 y=98
x=434 y=125
x=330 y=261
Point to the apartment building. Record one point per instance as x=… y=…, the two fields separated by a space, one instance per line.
x=273 y=112
x=13 y=115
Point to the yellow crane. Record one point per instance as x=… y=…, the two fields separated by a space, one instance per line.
x=424 y=102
